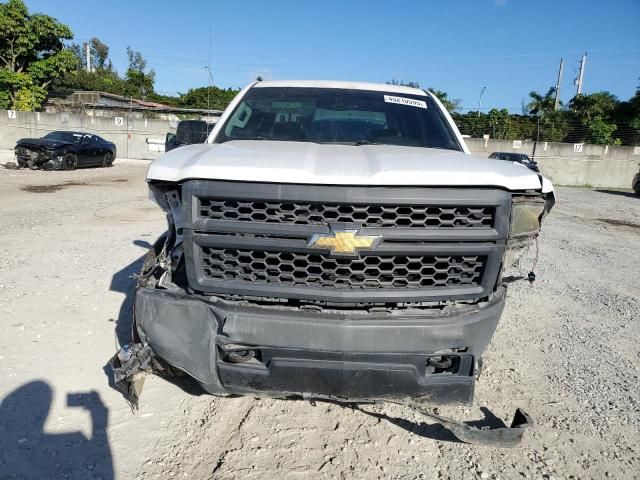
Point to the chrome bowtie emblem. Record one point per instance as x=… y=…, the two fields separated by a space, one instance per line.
x=346 y=242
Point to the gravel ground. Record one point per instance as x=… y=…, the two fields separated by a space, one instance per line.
x=566 y=350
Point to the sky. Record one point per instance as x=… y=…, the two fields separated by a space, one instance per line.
x=460 y=46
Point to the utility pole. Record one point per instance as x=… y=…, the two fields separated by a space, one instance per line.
x=580 y=78
x=480 y=100
x=210 y=77
x=557 y=102
x=88 y=56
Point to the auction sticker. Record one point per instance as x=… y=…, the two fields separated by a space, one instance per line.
x=405 y=101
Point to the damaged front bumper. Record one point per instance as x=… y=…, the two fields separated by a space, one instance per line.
x=416 y=357
x=53 y=163
x=233 y=347
x=239 y=348
x=35 y=160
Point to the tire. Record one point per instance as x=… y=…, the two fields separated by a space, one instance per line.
x=69 y=162
x=107 y=161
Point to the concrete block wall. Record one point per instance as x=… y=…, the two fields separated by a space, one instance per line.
x=130 y=136
x=603 y=166
x=565 y=164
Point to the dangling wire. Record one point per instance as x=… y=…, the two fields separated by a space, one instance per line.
x=532 y=275
x=535 y=261
x=524 y=254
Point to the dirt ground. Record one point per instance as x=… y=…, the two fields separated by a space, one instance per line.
x=566 y=350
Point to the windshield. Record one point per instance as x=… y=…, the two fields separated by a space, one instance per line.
x=339 y=116
x=65 y=136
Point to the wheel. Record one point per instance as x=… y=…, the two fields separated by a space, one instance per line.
x=69 y=162
x=107 y=161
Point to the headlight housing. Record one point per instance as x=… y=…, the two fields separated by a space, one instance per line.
x=526 y=218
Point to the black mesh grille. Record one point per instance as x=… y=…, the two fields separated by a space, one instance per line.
x=314 y=270
x=420 y=216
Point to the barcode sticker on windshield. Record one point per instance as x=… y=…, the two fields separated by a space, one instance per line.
x=405 y=101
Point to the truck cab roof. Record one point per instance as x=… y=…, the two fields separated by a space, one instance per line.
x=307 y=132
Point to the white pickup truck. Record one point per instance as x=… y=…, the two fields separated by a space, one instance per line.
x=331 y=240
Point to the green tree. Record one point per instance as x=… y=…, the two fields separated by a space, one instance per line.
x=628 y=114
x=601 y=132
x=216 y=98
x=138 y=82
x=102 y=77
x=594 y=113
x=500 y=123
x=99 y=54
x=32 y=55
x=402 y=83
x=554 y=127
x=542 y=105
x=451 y=104
x=105 y=80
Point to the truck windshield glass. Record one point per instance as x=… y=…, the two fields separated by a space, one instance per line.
x=339 y=116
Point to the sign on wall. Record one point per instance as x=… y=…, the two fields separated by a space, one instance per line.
x=11 y=114
x=119 y=121
x=577 y=147
x=517 y=144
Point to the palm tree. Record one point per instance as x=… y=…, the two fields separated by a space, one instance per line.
x=542 y=105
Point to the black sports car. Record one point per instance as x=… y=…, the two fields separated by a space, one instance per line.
x=65 y=151
x=516 y=157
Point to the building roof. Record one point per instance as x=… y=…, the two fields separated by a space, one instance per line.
x=105 y=100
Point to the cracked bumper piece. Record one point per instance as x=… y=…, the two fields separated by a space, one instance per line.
x=50 y=163
x=426 y=356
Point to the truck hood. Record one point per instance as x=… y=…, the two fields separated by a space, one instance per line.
x=330 y=164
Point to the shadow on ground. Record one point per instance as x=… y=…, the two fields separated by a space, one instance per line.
x=621 y=193
x=27 y=451
x=124 y=281
x=436 y=431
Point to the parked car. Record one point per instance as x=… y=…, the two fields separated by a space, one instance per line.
x=188 y=132
x=62 y=150
x=332 y=240
x=516 y=157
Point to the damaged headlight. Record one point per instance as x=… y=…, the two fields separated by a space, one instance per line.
x=526 y=218
x=526 y=215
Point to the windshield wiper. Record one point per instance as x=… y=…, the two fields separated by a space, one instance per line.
x=364 y=142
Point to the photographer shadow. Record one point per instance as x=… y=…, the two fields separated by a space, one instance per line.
x=27 y=451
